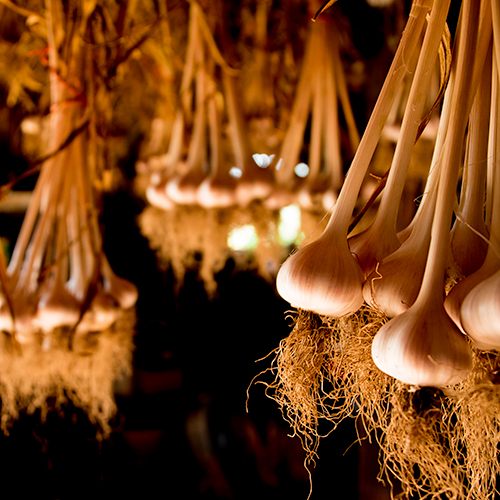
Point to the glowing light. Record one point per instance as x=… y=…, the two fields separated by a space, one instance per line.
x=242 y=238
x=263 y=160
x=289 y=232
x=235 y=172
x=301 y=170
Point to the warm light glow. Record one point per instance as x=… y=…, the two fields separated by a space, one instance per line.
x=243 y=238
x=235 y=172
x=263 y=160
x=289 y=226
x=301 y=170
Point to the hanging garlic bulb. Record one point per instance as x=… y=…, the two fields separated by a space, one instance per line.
x=422 y=346
x=156 y=189
x=480 y=313
x=322 y=277
x=182 y=188
x=394 y=284
x=479 y=309
x=491 y=264
x=218 y=188
x=325 y=267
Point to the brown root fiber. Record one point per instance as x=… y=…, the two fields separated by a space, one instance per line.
x=81 y=368
x=323 y=372
x=190 y=238
x=415 y=444
x=434 y=443
x=477 y=402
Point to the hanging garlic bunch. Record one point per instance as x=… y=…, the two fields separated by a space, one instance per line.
x=324 y=276
x=209 y=181
x=69 y=316
x=321 y=98
x=404 y=358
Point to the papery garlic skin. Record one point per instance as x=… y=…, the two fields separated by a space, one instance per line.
x=322 y=277
x=422 y=347
x=480 y=313
x=394 y=285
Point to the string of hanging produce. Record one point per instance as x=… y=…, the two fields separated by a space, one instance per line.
x=214 y=179
x=397 y=328
x=208 y=178
x=67 y=319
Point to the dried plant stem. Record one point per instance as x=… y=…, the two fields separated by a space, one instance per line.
x=346 y=202
x=432 y=282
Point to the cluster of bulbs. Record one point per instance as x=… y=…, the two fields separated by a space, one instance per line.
x=214 y=176
x=399 y=327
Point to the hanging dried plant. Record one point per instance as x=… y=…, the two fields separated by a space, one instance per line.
x=421 y=388
x=67 y=320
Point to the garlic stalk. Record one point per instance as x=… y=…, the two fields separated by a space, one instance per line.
x=182 y=188
x=218 y=189
x=156 y=190
x=323 y=276
x=394 y=284
x=255 y=182
x=491 y=264
x=286 y=182
x=380 y=239
x=469 y=233
x=422 y=346
x=325 y=161
x=56 y=305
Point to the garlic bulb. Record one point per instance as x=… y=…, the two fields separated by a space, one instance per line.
x=423 y=347
x=394 y=285
x=218 y=189
x=480 y=309
x=57 y=307
x=322 y=277
x=123 y=291
x=156 y=193
x=100 y=315
x=480 y=313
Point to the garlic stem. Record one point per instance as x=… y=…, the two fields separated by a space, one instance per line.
x=495 y=15
x=394 y=285
x=466 y=57
x=342 y=212
x=182 y=188
x=468 y=248
x=56 y=305
x=218 y=189
x=333 y=168
x=380 y=239
x=294 y=138
x=255 y=182
x=345 y=101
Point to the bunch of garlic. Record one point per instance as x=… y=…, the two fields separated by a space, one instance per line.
x=402 y=274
